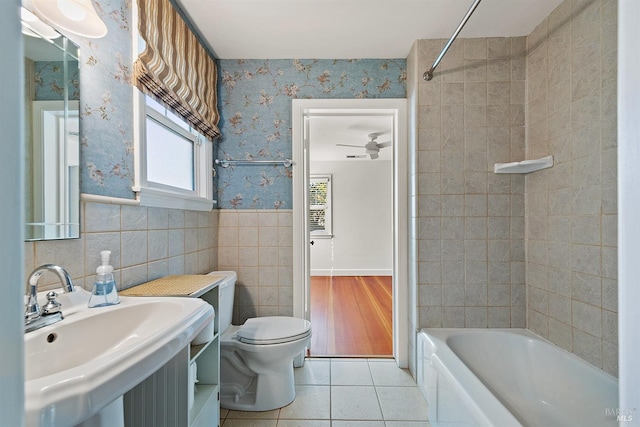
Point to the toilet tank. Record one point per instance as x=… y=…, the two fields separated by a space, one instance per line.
x=226 y=290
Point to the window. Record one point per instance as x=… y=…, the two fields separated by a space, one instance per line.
x=320 y=206
x=173 y=161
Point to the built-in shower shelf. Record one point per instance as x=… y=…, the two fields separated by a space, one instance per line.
x=524 y=166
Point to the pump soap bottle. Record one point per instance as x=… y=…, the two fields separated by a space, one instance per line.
x=104 y=288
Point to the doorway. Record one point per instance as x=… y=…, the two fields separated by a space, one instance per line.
x=394 y=111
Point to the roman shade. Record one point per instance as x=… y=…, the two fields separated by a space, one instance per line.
x=175 y=68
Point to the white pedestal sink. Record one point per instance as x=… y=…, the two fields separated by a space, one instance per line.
x=78 y=366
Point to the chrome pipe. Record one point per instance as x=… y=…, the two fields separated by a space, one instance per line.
x=428 y=75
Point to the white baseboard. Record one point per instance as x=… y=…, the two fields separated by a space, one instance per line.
x=345 y=272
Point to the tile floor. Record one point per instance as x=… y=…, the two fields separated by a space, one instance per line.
x=344 y=393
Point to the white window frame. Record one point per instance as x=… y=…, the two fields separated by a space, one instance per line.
x=327 y=233
x=154 y=194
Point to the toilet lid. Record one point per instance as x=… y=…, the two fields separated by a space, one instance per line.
x=273 y=330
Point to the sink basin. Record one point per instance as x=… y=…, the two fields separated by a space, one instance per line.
x=81 y=364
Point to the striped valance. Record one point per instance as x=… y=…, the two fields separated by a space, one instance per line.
x=175 y=68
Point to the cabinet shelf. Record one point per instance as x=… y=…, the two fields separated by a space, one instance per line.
x=525 y=166
x=195 y=350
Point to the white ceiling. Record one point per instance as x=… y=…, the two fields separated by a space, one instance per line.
x=327 y=131
x=349 y=29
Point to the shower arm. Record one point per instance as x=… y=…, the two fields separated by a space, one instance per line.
x=428 y=75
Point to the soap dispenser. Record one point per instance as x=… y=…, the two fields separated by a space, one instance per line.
x=104 y=288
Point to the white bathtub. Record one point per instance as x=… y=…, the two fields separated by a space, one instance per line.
x=510 y=377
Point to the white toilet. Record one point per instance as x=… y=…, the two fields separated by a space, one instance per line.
x=256 y=359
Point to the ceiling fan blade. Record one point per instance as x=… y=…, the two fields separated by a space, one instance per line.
x=384 y=144
x=349 y=145
x=373 y=155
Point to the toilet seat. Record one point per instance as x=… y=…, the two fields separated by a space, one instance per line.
x=273 y=330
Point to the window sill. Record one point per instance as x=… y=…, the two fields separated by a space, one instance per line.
x=152 y=197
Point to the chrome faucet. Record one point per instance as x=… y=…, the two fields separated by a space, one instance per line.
x=34 y=316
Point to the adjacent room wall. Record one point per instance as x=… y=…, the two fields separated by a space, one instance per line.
x=572 y=208
x=362 y=208
x=628 y=182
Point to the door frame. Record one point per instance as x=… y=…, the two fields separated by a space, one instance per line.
x=397 y=109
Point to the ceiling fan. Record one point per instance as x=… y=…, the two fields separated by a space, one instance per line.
x=372 y=147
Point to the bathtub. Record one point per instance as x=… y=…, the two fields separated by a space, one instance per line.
x=510 y=377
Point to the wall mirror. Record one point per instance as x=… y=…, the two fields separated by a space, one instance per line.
x=52 y=134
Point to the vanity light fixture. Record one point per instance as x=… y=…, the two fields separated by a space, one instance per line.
x=74 y=16
x=32 y=26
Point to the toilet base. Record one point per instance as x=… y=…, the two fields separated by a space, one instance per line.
x=275 y=391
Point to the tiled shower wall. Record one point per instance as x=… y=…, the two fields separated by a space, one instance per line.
x=145 y=244
x=571 y=208
x=258 y=245
x=470 y=221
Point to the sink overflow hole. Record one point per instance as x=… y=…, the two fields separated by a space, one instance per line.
x=52 y=337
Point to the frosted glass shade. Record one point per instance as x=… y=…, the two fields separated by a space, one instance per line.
x=74 y=16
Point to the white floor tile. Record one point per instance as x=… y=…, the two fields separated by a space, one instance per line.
x=314 y=372
x=387 y=373
x=407 y=424
x=344 y=393
x=249 y=423
x=254 y=415
x=350 y=372
x=354 y=403
x=311 y=403
x=357 y=424
x=402 y=403
x=304 y=423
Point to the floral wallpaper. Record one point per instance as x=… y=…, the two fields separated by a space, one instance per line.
x=254 y=98
x=106 y=106
x=48 y=76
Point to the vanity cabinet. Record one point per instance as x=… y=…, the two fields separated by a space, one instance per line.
x=168 y=397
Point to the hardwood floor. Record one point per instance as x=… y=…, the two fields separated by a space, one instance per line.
x=351 y=316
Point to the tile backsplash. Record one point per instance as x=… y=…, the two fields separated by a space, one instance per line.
x=145 y=244
x=258 y=245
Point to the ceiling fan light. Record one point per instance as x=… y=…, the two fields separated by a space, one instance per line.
x=74 y=16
